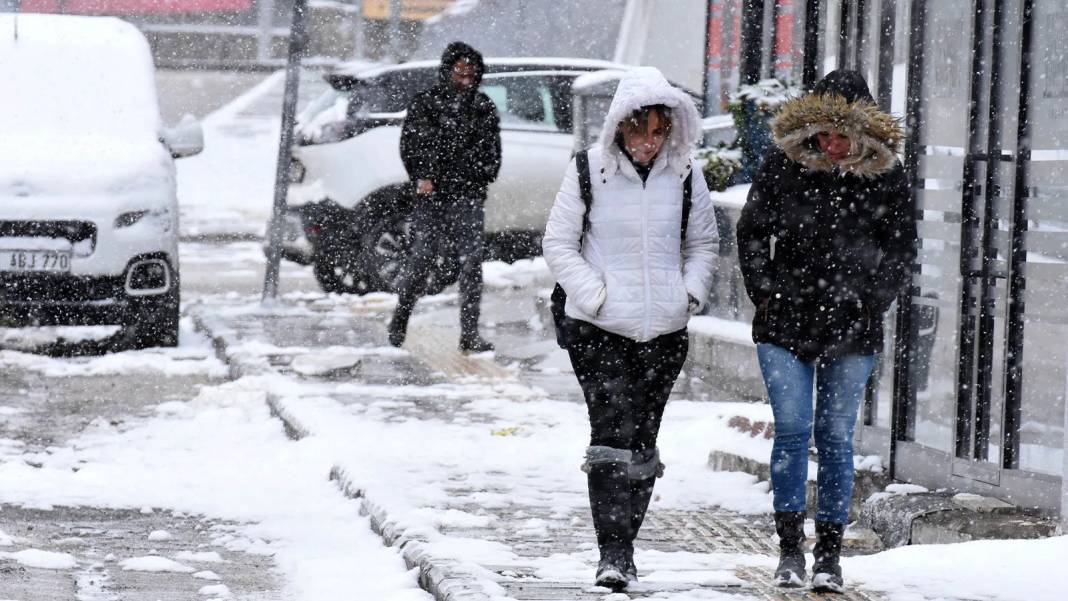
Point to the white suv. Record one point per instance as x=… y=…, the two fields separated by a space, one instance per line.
x=351 y=195
x=88 y=211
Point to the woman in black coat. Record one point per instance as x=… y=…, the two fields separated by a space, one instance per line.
x=826 y=242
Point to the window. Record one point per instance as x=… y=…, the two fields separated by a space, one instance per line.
x=530 y=103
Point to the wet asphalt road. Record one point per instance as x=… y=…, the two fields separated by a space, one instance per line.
x=44 y=412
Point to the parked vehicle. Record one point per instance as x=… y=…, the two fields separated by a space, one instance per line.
x=88 y=208
x=350 y=197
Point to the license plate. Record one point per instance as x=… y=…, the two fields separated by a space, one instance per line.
x=57 y=261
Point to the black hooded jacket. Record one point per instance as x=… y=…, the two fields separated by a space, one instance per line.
x=825 y=248
x=451 y=136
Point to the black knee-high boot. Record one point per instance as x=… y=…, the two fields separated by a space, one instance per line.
x=644 y=471
x=610 y=505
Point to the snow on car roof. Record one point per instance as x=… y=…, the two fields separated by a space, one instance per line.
x=76 y=74
x=362 y=70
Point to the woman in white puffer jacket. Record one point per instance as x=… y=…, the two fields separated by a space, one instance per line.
x=632 y=281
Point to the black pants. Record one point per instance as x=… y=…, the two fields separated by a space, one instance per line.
x=449 y=222
x=626 y=383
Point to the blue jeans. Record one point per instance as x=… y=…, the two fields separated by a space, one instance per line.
x=840 y=384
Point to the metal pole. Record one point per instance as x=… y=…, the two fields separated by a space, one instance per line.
x=708 y=80
x=904 y=403
x=969 y=233
x=809 y=71
x=887 y=35
x=861 y=22
x=297 y=44
x=987 y=305
x=1018 y=275
x=752 y=40
x=843 y=36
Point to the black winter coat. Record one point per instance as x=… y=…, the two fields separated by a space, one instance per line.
x=824 y=252
x=451 y=136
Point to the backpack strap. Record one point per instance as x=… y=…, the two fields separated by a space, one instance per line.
x=687 y=202
x=582 y=162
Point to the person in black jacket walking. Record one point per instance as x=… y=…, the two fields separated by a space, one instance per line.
x=451 y=148
x=826 y=241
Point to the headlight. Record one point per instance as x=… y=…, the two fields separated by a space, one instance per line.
x=129 y=218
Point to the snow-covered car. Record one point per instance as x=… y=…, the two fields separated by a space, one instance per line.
x=350 y=195
x=88 y=206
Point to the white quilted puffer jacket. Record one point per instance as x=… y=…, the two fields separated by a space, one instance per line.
x=633 y=276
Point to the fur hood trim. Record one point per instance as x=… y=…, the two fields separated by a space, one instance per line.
x=647 y=86
x=876 y=135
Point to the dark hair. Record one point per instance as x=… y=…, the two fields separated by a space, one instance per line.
x=639 y=119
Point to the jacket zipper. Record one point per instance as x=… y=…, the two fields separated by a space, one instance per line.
x=645 y=264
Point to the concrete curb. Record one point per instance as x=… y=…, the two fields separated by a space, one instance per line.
x=443 y=578
x=218 y=342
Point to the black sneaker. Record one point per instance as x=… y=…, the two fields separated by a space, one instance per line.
x=475 y=344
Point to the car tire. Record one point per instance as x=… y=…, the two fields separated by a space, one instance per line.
x=336 y=270
x=152 y=321
x=386 y=241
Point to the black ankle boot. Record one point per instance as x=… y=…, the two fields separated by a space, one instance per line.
x=398 y=330
x=398 y=325
x=826 y=572
x=475 y=343
x=790 y=526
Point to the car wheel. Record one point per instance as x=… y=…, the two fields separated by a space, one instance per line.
x=336 y=271
x=386 y=251
x=152 y=321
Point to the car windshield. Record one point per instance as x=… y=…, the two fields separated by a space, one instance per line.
x=390 y=93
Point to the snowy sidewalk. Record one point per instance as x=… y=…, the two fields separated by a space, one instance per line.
x=473 y=472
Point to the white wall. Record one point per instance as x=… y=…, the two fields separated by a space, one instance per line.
x=669 y=35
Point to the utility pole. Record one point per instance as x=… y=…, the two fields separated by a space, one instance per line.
x=297 y=43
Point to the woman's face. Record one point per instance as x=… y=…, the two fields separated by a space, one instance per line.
x=834 y=145
x=644 y=145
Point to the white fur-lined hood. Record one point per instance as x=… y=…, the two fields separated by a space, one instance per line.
x=647 y=86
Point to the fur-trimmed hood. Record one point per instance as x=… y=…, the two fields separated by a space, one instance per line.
x=840 y=103
x=647 y=86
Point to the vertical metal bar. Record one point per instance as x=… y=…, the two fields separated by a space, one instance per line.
x=904 y=402
x=987 y=303
x=843 y=36
x=297 y=44
x=1018 y=275
x=752 y=40
x=887 y=37
x=969 y=234
x=812 y=38
x=706 y=79
x=860 y=30
x=770 y=69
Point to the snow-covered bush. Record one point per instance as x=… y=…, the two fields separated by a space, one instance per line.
x=719 y=164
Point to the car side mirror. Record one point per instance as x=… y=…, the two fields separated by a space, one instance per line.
x=185 y=139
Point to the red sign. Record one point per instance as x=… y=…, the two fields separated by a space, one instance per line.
x=133 y=7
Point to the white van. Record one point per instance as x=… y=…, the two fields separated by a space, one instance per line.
x=88 y=209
